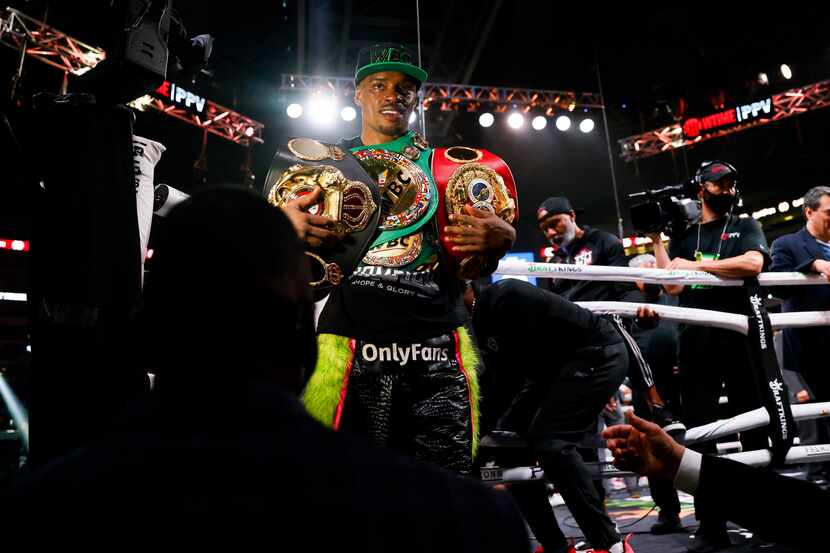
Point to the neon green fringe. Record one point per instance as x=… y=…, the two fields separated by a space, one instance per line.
x=470 y=361
x=322 y=393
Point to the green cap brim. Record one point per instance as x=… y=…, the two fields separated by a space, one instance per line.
x=406 y=68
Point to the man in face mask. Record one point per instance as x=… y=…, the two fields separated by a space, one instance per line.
x=729 y=247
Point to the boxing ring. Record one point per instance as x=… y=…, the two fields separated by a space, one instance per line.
x=795 y=454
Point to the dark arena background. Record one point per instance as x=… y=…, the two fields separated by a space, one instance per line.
x=594 y=102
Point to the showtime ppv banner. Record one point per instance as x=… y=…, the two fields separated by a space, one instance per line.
x=694 y=127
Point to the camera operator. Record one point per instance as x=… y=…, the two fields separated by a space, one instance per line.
x=730 y=247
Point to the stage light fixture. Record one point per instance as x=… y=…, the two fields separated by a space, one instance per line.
x=516 y=120
x=763 y=79
x=786 y=71
x=348 y=113
x=249 y=132
x=586 y=125
x=321 y=109
x=783 y=207
x=563 y=123
x=486 y=119
x=539 y=122
x=294 y=110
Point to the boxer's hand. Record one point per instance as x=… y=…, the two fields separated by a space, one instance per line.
x=643 y=447
x=480 y=232
x=313 y=230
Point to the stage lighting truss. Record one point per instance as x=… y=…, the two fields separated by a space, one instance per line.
x=786 y=104
x=451 y=97
x=47 y=44
x=217 y=120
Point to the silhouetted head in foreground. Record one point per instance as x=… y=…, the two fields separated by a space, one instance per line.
x=227 y=297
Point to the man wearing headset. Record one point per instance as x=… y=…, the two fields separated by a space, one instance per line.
x=727 y=246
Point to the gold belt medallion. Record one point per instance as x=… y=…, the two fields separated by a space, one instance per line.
x=404 y=187
x=396 y=253
x=478 y=185
x=347 y=202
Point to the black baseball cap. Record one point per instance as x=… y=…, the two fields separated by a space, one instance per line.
x=554 y=206
x=714 y=171
x=387 y=57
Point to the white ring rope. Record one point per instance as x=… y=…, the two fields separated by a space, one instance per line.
x=717 y=319
x=652 y=276
x=796 y=455
x=752 y=419
x=730 y=321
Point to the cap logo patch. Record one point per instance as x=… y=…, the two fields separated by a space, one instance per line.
x=389 y=54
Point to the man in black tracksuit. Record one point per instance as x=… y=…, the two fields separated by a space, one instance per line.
x=550 y=369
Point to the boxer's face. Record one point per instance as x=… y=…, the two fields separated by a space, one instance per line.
x=386 y=101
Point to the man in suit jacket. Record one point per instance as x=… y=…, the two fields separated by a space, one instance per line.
x=807 y=251
x=778 y=508
x=222 y=449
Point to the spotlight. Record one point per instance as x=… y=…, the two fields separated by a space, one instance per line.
x=763 y=78
x=563 y=122
x=321 y=109
x=486 y=119
x=249 y=132
x=516 y=120
x=348 y=113
x=586 y=125
x=412 y=117
x=294 y=110
x=783 y=207
x=786 y=72
x=539 y=122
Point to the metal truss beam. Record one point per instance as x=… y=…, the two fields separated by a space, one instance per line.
x=217 y=119
x=47 y=44
x=59 y=50
x=786 y=104
x=450 y=97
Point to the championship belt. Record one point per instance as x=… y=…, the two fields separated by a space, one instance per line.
x=350 y=198
x=474 y=177
x=404 y=187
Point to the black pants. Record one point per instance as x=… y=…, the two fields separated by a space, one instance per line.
x=554 y=415
x=708 y=358
x=414 y=398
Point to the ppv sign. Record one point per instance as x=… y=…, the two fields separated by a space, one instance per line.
x=179 y=95
x=744 y=113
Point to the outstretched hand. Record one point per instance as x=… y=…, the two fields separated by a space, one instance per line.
x=822 y=267
x=313 y=230
x=480 y=232
x=643 y=447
